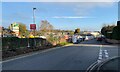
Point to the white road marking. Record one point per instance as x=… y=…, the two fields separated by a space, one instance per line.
x=98 y=61
x=106 y=53
x=100 y=58
x=105 y=50
x=100 y=52
x=106 y=56
x=100 y=55
x=101 y=46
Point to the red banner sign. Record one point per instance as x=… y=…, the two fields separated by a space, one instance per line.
x=33 y=26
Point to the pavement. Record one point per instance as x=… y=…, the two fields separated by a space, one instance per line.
x=74 y=57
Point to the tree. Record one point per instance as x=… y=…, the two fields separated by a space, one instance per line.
x=46 y=26
x=112 y=32
x=103 y=30
x=107 y=29
x=118 y=23
x=77 y=30
x=116 y=31
x=22 y=29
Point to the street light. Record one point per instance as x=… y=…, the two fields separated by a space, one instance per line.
x=33 y=27
x=34 y=15
x=34 y=23
x=28 y=41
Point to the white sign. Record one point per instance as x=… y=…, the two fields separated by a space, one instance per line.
x=15 y=28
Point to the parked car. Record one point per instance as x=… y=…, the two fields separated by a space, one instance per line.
x=99 y=38
x=74 y=39
x=89 y=37
x=79 y=38
x=103 y=37
x=83 y=37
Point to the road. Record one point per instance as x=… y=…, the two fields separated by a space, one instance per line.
x=75 y=57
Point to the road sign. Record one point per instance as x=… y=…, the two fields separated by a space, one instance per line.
x=32 y=26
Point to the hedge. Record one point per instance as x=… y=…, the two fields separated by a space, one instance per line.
x=116 y=33
x=12 y=43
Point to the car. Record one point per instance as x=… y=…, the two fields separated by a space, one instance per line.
x=74 y=39
x=89 y=37
x=103 y=37
x=83 y=37
x=79 y=38
x=99 y=38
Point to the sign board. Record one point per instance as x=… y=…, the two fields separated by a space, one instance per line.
x=33 y=26
x=15 y=28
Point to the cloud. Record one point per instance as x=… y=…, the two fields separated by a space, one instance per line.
x=60 y=0
x=85 y=8
x=71 y=17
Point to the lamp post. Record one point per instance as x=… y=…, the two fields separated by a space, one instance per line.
x=34 y=15
x=34 y=23
x=28 y=40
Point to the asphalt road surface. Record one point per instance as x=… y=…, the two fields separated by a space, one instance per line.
x=75 y=57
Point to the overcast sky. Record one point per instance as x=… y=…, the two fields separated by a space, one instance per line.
x=62 y=15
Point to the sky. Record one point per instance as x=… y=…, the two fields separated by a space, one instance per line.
x=90 y=16
x=60 y=0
